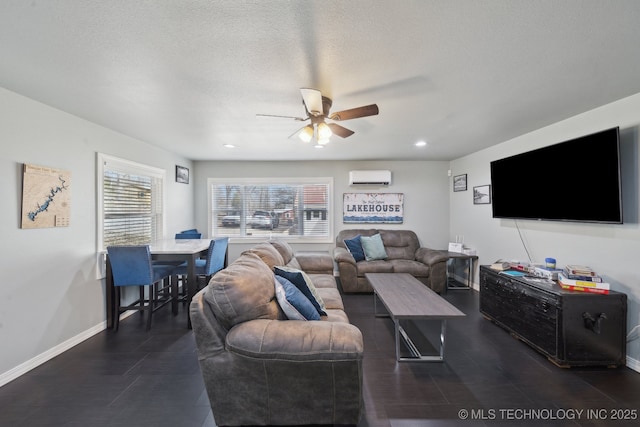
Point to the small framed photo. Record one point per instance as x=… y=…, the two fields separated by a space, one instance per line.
x=482 y=195
x=182 y=174
x=460 y=182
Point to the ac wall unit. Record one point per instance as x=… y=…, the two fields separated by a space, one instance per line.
x=370 y=177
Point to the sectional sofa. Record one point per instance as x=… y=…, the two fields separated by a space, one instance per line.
x=260 y=368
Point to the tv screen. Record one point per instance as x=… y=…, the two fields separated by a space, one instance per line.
x=576 y=180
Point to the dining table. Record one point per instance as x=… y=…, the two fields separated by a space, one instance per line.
x=169 y=250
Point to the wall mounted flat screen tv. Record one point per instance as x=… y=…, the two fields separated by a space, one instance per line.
x=576 y=180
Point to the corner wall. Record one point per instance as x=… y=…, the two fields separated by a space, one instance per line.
x=612 y=250
x=51 y=298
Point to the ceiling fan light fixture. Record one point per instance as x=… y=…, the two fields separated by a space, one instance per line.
x=306 y=134
x=323 y=141
x=324 y=131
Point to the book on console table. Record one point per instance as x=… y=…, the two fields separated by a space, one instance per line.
x=563 y=280
x=581 y=289
x=581 y=270
x=523 y=267
x=582 y=277
x=500 y=265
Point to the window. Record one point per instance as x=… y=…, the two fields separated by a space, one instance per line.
x=130 y=202
x=292 y=208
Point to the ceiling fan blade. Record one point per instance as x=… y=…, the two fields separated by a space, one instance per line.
x=354 y=113
x=297 y=119
x=340 y=130
x=312 y=101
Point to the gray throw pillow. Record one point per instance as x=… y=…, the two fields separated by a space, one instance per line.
x=373 y=247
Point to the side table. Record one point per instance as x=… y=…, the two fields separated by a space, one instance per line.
x=470 y=261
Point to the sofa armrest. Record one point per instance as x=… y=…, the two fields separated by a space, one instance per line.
x=343 y=255
x=437 y=262
x=315 y=263
x=296 y=340
x=431 y=257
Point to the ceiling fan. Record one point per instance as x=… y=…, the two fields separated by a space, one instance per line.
x=317 y=109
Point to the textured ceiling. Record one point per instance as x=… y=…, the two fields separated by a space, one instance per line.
x=190 y=76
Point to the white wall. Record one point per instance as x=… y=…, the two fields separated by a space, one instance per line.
x=50 y=296
x=612 y=250
x=424 y=184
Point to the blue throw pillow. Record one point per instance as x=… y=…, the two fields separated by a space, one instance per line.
x=297 y=277
x=296 y=298
x=373 y=247
x=355 y=247
x=290 y=311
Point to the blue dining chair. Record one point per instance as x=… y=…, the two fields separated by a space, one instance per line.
x=191 y=230
x=215 y=261
x=132 y=266
x=183 y=235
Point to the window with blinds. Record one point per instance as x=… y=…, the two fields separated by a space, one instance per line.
x=259 y=208
x=131 y=202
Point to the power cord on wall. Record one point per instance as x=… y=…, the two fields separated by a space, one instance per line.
x=630 y=336
x=522 y=240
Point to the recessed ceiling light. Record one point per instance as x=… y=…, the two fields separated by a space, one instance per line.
x=421 y=144
x=229 y=146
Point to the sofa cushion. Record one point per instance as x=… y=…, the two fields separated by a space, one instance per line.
x=294 y=264
x=379 y=266
x=336 y=316
x=267 y=253
x=285 y=250
x=322 y=281
x=373 y=247
x=332 y=299
x=303 y=282
x=294 y=304
x=354 y=246
x=315 y=262
x=400 y=244
x=243 y=291
x=415 y=268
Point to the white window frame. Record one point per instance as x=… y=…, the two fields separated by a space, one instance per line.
x=275 y=181
x=128 y=166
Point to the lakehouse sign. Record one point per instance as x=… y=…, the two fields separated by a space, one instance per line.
x=373 y=208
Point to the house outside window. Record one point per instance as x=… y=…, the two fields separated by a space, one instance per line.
x=291 y=208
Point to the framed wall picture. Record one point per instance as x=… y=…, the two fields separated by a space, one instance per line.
x=46 y=197
x=482 y=195
x=182 y=174
x=460 y=182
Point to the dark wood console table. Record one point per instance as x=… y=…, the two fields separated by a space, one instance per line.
x=571 y=328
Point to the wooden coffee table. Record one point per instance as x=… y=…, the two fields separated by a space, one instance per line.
x=406 y=298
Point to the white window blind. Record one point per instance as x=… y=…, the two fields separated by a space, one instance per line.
x=131 y=202
x=261 y=208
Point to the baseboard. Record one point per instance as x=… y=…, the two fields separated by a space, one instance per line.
x=633 y=364
x=33 y=363
x=30 y=364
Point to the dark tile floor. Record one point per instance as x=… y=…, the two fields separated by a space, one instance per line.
x=139 y=378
